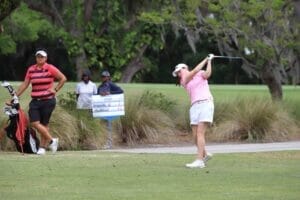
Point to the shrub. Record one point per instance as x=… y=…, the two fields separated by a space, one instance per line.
x=253 y=119
x=293 y=107
x=158 y=101
x=6 y=143
x=182 y=119
x=76 y=129
x=68 y=101
x=145 y=121
x=64 y=126
x=82 y=130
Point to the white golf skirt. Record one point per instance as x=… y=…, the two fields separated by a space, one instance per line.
x=202 y=111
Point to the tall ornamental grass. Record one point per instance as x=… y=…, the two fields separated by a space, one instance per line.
x=293 y=107
x=146 y=119
x=252 y=119
x=152 y=116
x=77 y=128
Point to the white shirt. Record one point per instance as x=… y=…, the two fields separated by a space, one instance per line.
x=85 y=91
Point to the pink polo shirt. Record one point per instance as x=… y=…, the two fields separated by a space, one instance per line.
x=198 y=88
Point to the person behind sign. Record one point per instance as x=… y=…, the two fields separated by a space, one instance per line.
x=107 y=87
x=41 y=76
x=85 y=89
x=202 y=107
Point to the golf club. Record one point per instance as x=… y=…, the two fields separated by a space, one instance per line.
x=12 y=92
x=229 y=57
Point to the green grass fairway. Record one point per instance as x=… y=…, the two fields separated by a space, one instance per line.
x=220 y=92
x=101 y=175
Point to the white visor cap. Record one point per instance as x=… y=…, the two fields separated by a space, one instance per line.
x=41 y=52
x=178 y=68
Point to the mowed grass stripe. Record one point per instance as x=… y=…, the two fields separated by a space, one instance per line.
x=101 y=175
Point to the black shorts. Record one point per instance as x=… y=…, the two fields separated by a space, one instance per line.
x=41 y=110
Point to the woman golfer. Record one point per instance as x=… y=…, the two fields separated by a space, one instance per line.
x=41 y=76
x=202 y=106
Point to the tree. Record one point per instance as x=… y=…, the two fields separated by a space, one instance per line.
x=23 y=29
x=102 y=34
x=264 y=33
x=8 y=6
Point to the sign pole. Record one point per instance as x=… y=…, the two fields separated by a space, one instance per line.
x=109 y=108
x=109 y=139
x=109 y=129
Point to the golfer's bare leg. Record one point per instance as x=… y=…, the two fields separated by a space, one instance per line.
x=44 y=131
x=199 y=132
x=194 y=130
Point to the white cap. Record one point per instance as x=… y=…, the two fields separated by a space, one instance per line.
x=178 y=68
x=41 y=52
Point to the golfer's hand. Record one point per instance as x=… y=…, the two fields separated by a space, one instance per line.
x=210 y=56
x=52 y=90
x=8 y=103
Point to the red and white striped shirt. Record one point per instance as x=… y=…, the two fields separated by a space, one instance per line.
x=41 y=80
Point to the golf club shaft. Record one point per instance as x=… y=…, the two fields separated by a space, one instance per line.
x=229 y=57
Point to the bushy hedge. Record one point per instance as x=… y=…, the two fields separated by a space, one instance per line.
x=253 y=119
x=152 y=117
x=147 y=119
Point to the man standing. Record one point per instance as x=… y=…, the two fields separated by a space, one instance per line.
x=41 y=76
x=107 y=87
x=85 y=89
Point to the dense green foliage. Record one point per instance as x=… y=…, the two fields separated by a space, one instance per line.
x=142 y=41
x=264 y=33
x=6 y=7
x=23 y=26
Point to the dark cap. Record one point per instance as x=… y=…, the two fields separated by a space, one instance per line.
x=105 y=73
x=86 y=73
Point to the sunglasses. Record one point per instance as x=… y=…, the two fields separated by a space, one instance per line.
x=38 y=56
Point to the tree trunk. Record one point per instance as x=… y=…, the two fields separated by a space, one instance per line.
x=134 y=66
x=80 y=61
x=88 y=9
x=131 y=69
x=297 y=9
x=273 y=81
x=236 y=78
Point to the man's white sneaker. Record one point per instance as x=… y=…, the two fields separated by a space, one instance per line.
x=41 y=151
x=54 y=145
x=196 y=164
x=207 y=157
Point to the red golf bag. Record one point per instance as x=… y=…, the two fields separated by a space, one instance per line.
x=17 y=129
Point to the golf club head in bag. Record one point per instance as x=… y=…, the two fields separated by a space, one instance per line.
x=15 y=100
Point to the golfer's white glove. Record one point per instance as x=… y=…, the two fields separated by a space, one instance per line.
x=210 y=56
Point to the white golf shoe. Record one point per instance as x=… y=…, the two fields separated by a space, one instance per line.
x=41 y=151
x=54 y=145
x=207 y=157
x=196 y=164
